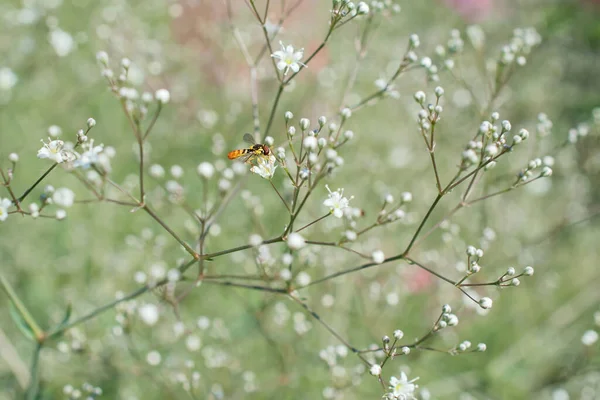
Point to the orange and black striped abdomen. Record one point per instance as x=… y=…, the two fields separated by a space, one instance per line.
x=232 y=155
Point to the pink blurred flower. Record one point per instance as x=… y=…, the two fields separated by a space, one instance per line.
x=471 y=10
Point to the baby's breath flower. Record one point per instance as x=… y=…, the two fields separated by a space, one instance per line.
x=402 y=388
x=90 y=156
x=336 y=202
x=346 y=113
x=304 y=123
x=414 y=41
x=157 y=171
x=295 y=241
x=310 y=142
x=63 y=197
x=589 y=337
x=4 y=204
x=420 y=97
x=13 y=157
x=378 y=257
x=406 y=197
x=91 y=122
x=481 y=347
x=54 y=150
x=153 y=358
x=362 y=8
x=288 y=115
x=485 y=302
x=510 y=271
x=288 y=58
x=206 y=170
x=162 y=96
x=61 y=214
x=528 y=271
x=398 y=334
x=303 y=278
x=375 y=370
x=255 y=240
x=546 y=171
x=149 y=314
x=265 y=166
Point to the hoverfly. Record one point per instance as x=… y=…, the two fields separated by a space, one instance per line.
x=254 y=151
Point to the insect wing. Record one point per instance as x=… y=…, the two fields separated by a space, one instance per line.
x=248 y=138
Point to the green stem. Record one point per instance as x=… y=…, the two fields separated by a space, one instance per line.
x=23 y=311
x=34 y=384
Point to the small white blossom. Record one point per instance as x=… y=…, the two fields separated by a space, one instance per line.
x=61 y=214
x=8 y=79
x=375 y=370
x=398 y=334
x=589 y=337
x=153 y=358
x=310 y=142
x=157 y=171
x=265 y=166
x=402 y=388
x=13 y=157
x=406 y=197
x=378 y=257
x=528 y=271
x=162 y=96
x=255 y=240
x=4 y=204
x=485 y=302
x=288 y=58
x=206 y=170
x=91 y=122
x=481 y=347
x=63 y=197
x=336 y=202
x=149 y=314
x=54 y=150
x=414 y=40
x=295 y=241
x=303 y=278
x=90 y=156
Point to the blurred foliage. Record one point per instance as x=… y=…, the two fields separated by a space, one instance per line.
x=533 y=332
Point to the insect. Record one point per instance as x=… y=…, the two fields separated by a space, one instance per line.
x=254 y=151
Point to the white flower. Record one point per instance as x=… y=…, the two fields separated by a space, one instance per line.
x=265 y=166
x=54 y=130
x=378 y=257
x=193 y=343
x=61 y=214
x=485 y=302
x=90 y=155
x=55 y=151
x=398 y=334
x=62 y=42
x=63 y=197
x=375 y=370
x=149 y=314
x=402 y=388
x=303 y=278
x=157 y=171
x=206 y=170
x=8 y=79
x=336 y=202
x=153 y=358
x=4 y=204
x=295 y=241
x=162 y=96
x=363 y=8
x=589 y=337
x=288 y=58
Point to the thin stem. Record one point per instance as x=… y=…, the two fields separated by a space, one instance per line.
x=240 y=248
x=279 y=194
x=156 y=114
x=351 y=270
x=32 y=391
x=273 y=109
x=431 y=208
x=101 y=309
x=168 y=229
x=314 y=222
x=411 y=261
x=41 y=178
x=22 y=309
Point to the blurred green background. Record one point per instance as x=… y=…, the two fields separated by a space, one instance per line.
x=251 y=349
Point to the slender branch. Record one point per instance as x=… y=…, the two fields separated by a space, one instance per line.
x=431 y=208
x=40 y=179
x=187 y=247
x=279 y=194
x=34 y=382
x=314 y=222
